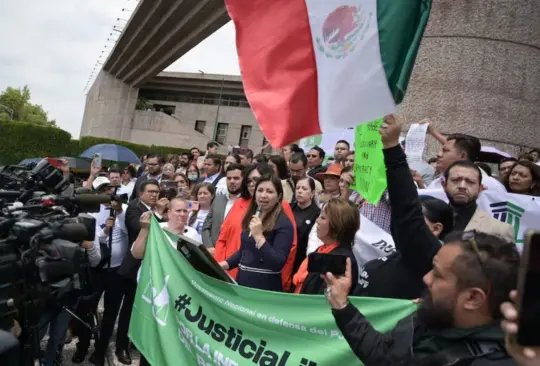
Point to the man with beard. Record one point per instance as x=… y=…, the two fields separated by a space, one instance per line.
x=298 y=170
x=462 y=184
x=458 y=321
x=154 y=163
x=184 y=162
x=221 y=206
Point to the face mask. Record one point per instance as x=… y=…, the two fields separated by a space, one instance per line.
x=192 y=176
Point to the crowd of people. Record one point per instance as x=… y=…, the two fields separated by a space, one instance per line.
x=261 y=217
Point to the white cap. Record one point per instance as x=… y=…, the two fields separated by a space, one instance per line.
x=100 y=182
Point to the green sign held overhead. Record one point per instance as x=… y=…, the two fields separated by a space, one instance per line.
x=182 y=317
x=369 y=168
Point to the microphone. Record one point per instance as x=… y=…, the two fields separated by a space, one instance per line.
x=258 y=214
x=92 y=199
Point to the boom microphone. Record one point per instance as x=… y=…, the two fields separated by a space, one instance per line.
x=92 y=199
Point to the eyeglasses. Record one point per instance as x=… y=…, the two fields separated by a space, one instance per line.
x=469 y=236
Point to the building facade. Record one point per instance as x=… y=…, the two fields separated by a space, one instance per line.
x=174 y=109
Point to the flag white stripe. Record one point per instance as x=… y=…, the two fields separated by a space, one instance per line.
x=352 y=89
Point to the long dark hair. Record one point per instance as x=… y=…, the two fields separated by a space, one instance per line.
x=281 y=165
x=262 y=168
x=269 y=220
x=438 y=211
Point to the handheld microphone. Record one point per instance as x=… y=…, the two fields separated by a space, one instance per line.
x=258 y=214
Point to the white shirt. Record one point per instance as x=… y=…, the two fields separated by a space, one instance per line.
x=230 y=203
x=221 y=187
x=120 y=240
x=199 y=222
x=211 y=179
x=490 y=183
x=188 y=232
x=126 y=189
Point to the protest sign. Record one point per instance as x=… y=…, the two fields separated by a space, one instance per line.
x=415 y=143
x=369 y=168
x=182 y=317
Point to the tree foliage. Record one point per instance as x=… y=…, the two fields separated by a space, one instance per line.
x=15 y=105
x=20 y=140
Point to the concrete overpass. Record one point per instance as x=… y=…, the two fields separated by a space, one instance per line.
x=159 y=33
x=477 y=71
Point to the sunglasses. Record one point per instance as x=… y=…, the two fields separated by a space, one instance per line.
x=469 y=236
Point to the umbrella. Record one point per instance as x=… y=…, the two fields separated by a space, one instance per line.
x=30 y=161
x=111 y=152
x=491 y=154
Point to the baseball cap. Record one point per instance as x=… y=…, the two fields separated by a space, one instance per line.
x=100 y=182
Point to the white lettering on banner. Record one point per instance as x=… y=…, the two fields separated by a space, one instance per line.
x=518 y=210
x=415 y=142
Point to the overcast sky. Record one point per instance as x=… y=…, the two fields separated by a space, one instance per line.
x=52 y=46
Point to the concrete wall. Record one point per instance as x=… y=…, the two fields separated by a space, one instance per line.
x=110 y=108
x=478 y=72
x=156 y=128
x=188 y=113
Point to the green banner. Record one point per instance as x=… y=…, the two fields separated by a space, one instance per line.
x=182 y=317
x=369 y=168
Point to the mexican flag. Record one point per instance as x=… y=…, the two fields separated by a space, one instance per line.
x=313 y=66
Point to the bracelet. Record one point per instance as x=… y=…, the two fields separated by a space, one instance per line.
x=343 y=307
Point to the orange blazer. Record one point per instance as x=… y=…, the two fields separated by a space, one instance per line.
x=228 y=241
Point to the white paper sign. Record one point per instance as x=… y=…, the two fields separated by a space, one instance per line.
x=415 y=142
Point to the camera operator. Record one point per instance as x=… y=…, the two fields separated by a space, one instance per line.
x=112 y=238
x=58 y=318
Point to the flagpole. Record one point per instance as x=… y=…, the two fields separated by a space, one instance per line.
x=214 y=137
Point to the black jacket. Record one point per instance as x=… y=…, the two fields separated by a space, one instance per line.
x=130 y=265
x=320 y=169
x=314 y=284
x=411 y=343
x=305 y=219
x=400 y=274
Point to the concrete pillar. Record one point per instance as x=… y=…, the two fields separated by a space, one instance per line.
x=110 y=108
x=478 y=71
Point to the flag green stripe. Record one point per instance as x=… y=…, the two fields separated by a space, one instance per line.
x=401 y=26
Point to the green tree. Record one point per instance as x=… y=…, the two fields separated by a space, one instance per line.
x=17 y=102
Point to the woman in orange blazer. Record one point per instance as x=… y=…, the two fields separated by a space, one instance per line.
x=228 y=241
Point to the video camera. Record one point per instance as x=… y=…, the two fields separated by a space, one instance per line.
x=41 y=230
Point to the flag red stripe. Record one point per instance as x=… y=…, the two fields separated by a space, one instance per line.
x=277 y=62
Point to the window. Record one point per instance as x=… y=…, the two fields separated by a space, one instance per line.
x=200 y=125
x=221 y=133
x=245 y=133
x=266 y=149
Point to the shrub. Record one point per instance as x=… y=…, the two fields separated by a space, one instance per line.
x=19 y=140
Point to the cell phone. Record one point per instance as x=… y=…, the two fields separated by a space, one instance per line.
x=528 y=303
x=192 y=205
x=324 y=263
x=168 y=184
x=97 y=160
x=57 y=163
